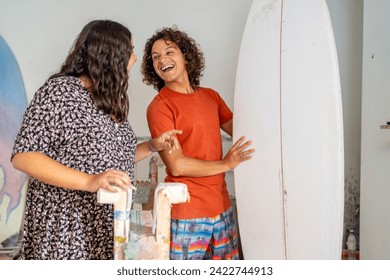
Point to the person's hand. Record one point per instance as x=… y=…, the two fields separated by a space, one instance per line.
x=238 y=153
x=109 y=180
x=166 y=140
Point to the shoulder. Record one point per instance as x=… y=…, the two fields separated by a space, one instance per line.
x=64 y=84
x=158 y=104
x=210 y=93
x=162 y=97
x=60 y=88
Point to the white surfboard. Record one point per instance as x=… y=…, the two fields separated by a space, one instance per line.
x=290 y=196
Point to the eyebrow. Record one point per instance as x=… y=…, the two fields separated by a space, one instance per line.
x=167 y=48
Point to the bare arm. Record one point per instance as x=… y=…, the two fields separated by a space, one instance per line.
x=52 y=172
x=180 y=165
x=228 y=127
x=142 y=151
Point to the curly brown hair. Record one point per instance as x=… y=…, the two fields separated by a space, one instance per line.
x=187 y=45
x=102 y=51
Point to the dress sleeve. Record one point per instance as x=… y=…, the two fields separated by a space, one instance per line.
x=41 y=128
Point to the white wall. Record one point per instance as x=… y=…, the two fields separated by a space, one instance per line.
x=375 y=175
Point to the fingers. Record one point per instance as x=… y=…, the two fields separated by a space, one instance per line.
x=175 y=131
x=111 y=180
x=239 y=153
x=167 y=140
x=118 y=178
x=239 y=146
x=171 y=140
x=246 y=155
x=238 y=142
x=176 y=144
x=170 y=134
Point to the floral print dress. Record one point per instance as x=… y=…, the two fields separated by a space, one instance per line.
x=63 y=123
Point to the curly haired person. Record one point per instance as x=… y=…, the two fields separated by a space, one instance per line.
x=204 y=227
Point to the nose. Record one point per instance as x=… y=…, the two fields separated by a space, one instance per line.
x=162 y=60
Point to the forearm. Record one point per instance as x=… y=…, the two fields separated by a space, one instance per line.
x=181 y=165
x=45 y=169
x=142 y=151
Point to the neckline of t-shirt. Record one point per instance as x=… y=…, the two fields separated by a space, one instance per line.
x=192 y=94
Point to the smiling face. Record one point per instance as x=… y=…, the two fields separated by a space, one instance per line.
x=169 y=64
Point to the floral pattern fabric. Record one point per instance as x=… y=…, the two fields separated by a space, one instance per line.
x=63 y=123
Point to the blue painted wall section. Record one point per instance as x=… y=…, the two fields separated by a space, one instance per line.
x=13 y=103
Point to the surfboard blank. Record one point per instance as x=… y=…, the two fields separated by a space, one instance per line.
x=288 y=101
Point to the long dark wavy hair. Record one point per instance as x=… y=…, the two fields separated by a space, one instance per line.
x=187 y=45
x=102 y=51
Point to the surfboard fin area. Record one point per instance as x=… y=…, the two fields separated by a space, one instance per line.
x=290 y=196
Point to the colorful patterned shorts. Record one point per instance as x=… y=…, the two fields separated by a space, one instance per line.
x=210 y=238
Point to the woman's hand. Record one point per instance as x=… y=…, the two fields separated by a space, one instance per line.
x=108 y=180
x=166 y=140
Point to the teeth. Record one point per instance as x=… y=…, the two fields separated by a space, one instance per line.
x=165 y=68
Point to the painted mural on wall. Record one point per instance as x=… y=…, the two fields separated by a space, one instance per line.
x=13 y=103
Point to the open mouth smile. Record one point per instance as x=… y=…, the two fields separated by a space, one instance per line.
x=166 y=68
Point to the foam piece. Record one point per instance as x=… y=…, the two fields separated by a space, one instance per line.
x=122 y=201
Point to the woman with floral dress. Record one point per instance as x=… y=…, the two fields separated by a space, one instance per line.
x=74 y=140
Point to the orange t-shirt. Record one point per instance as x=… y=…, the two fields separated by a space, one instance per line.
x=200 y=116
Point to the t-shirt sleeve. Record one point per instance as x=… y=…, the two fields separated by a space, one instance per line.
x=159 y=117
x=225 y=114
x=41 y=127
